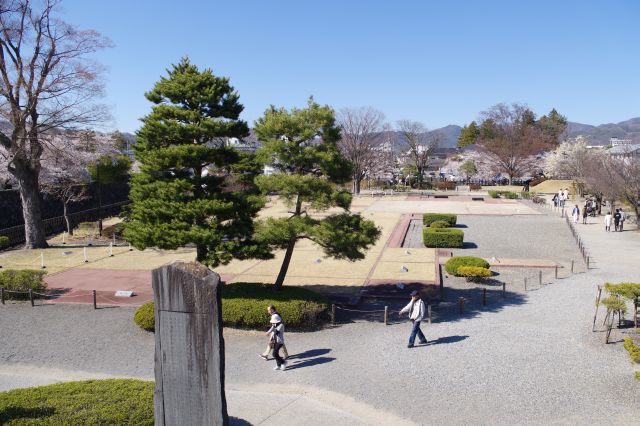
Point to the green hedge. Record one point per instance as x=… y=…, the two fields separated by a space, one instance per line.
x=442 y=238
x=4 y=242
x=455 y=262
x=92 y=402
x=633 y=349
x=22 y=280
x=245 y=305
x=439 y=224
x=507 y=194
x=473 y=272
x=429 y=218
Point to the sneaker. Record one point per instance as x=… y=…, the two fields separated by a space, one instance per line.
x=276 y=368
x=423 y=343
x=409 y=346
x=266 y=358
x=283 y=367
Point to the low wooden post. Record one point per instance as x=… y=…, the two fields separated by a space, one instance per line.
x=95 y=301
x=31 y=297
x=429 y=313
x=2 y=294
x=540 y=277
x=386 y=315
x=556 y=273
x=461 y=305
x=572 y=266
x=525 y=284
x=189 y=354
x=504 y=289
x=333 y=314
x=588 y=262
x=595 y=315
x=484 y=297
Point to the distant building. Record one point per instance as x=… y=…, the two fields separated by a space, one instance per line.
x=617 y=142
x=625 y=150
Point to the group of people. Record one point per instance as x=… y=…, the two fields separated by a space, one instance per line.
x=415 y=308
x=618 y=220
x=560 y=198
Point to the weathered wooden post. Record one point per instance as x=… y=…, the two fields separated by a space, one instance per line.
x=386 y=315
x=429 y=312
x=333 y=314
x=461 y=305
x=95 y=299
x=2 y=294
x=189 y=356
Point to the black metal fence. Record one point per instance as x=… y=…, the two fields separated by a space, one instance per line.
x=57 y=224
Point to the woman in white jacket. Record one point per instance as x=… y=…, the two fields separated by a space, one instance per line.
x=416 y=310
x=607 y=222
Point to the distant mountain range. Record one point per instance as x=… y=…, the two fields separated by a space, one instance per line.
x=595 y=135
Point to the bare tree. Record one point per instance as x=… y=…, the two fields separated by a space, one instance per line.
x=47 y=82
x=512 y=140
x=361 y=132
x=631 y=177
x=420 y=144
x=604 y=177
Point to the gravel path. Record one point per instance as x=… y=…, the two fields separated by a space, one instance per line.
x=532 y=362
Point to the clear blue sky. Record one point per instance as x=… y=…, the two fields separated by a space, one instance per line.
x=439 y=62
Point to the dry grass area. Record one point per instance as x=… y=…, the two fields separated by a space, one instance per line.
x=552 y=186
x=308 y=266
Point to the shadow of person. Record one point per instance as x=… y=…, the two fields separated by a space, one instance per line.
x=310 y=353
x=311 y=362
x=235 y=421
x=446 y=340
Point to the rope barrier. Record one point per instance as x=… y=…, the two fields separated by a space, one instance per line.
x=361 y=311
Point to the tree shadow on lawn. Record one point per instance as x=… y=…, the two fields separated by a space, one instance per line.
x=19 y=413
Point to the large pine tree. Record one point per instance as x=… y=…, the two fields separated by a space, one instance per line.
x=192 y=188
x=301 y=145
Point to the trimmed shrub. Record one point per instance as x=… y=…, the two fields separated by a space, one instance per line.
x=493 y=193
x=473 y=272
x=446 y=186
x=244 y=305
x=526 y=195
x=511 y=195
x=475 y=186
x=91 y=402
x=439 y=224
x=442 y=237
x=633 y=349
x=145 y=317
x=455 y=262
x=429 y=218
x=22 y=280
x=4 y=242
x=615 y=304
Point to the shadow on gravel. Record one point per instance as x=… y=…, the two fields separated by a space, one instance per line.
x=310 y=353
x=469 y=245
x=446 y=340
x=449 y=309
x=235 y=421
x=311 y=362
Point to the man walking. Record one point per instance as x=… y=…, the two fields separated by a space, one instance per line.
x=616 y=220
x=622 y=217
x=416 y=310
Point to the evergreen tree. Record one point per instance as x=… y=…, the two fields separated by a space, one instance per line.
x=469 y=169
x=191 y=187
x=553 y=125
x=301 y=145
x=468 y=135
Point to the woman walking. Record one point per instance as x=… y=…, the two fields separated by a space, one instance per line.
x=575 y=213
x=277 y=338
x=585 y=213
x=269 y=349
x=607 y=222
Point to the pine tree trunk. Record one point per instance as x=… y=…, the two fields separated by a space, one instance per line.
x=35 y=236
x=285 y=265
x=356 y=186
x=201 y=252
x=287 y=255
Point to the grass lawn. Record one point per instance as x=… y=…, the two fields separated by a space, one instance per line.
x=92 y=402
